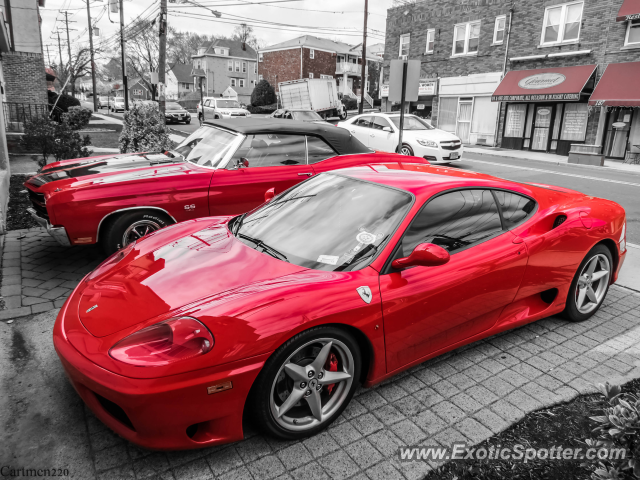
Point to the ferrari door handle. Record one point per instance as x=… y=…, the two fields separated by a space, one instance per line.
x=307 y=174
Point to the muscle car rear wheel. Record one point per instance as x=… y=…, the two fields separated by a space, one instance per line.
x=590 y=285
x=131 y=226
x=307 y=383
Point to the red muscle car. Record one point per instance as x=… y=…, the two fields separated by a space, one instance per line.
x=350 y=277
x=224 y=168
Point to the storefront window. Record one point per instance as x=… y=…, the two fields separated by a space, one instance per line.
x=527 y=132
x=448 y=113
x=556 y=127
x=484 y=116
x=574 y=123
x=514 y=123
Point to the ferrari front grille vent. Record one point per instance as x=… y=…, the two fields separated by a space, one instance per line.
x=560 y=219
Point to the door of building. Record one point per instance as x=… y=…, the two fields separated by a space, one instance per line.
x=465 y=114
x=618 y=128
x=542 y=128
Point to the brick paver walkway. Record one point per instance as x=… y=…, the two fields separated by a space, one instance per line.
x=466 y=395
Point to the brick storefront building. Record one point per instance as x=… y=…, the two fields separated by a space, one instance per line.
x=313 y=57
x=540 y=60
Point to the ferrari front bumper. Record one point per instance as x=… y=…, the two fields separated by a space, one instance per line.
x=178 y=412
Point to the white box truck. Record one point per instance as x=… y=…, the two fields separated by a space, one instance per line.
x=317 y=94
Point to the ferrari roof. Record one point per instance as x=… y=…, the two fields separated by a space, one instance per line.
x=422 y=179
x=339 y=138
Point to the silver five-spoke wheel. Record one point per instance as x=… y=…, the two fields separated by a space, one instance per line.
x=138 y=230
x=312 y=384
x=592 y=284
x=405 y=150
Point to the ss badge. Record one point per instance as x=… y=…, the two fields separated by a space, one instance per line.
x=189 y=207
x=365 y=294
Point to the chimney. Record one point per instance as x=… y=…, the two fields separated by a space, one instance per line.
x=244 y=45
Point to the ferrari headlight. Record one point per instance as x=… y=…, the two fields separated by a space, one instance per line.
x=164 y=343
x=427 y=143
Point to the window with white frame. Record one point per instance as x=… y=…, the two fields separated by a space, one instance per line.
x=253 y=82
x=255 y=68
x=244 y=67
x=499 y=29
x=431 y=40
x=233 y=82
x=260 y=77
x=405 y=41
x=310 y=75
x=241 y=83
x=230 y=65
x=466 y=38
x=633 y=33
x=562 y=23
x=326 y=76
x=260 y=57
x=237 y=66
x=312 y=53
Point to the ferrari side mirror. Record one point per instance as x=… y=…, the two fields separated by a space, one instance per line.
x=424 y=255
x=269 y=194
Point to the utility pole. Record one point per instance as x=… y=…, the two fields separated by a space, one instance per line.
x=61 y=66
x=48 y=55
x=124 y=59
x=70 y=66
x=93 y=65
x=363 y=76
x=162 y=61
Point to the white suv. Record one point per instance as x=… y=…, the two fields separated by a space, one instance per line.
x=381 y=132
x=215 y=108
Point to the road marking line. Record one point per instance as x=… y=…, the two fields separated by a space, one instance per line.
x=632 y=245
x=555 y=173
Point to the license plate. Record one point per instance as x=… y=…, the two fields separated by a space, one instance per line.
x=454 y=156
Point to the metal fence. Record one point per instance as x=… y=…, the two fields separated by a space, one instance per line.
x=15 y=114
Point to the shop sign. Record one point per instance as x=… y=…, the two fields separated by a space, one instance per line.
x=542 y=81
x=619 y=125
x=559 y=97
x=544 y=111
x=384 y=91
x=427 y=88
x=627 y=118
x=635 y=16
x=420 y=107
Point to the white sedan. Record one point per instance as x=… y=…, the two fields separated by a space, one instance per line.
x=381 y=131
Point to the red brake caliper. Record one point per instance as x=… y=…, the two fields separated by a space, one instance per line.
x=332 y=366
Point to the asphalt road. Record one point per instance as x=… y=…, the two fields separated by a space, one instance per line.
x=620 y=186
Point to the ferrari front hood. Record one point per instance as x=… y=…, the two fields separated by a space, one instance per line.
x=146 y=285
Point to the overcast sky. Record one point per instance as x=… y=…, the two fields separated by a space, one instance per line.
x=279 y=19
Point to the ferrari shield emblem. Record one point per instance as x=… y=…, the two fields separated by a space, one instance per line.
x=365 y=294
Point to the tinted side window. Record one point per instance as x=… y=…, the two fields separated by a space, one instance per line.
x=453 y=221
x=515 y=208
x=271 y=150
x=318 y=150
x=380 y=123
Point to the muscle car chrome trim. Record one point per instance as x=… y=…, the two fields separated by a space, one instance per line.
x=59 y=233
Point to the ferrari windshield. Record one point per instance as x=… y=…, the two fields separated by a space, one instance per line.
x=207 y=146
x=227 y=104
x=411 y=123
x=329 y=222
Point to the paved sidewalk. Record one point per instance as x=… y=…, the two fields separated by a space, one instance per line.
x=467 y=395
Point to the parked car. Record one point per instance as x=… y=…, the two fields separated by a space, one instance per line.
x=215 y=108
x=104 y=101
x=117 y=104
x=176 y=113
x=300 y=115
x=223 y=168
x=381 y=131
x=353 y=275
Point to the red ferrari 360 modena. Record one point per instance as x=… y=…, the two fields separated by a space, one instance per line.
x=349 y=277
x=223 y=168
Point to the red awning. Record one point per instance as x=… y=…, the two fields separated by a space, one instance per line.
x=630 y=10
x=562 y=84
x=618 y=86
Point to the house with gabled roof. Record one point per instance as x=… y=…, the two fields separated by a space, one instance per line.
x=179 y=81
x=224 y=63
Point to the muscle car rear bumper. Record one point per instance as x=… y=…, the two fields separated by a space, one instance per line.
x=59 y=233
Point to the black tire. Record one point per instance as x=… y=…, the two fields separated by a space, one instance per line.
x=406 y=147
x=571 y=311
x=113 y=240
x=261 y=393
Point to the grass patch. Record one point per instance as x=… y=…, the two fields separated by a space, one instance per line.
x=567 y=425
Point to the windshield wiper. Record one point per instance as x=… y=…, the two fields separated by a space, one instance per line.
x=238 y=224
x=265 y=248
x=369 y=250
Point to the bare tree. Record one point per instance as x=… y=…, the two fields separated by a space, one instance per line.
x=78 y=67
x=143 y=51
x=244 y=34
x=182 y=45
